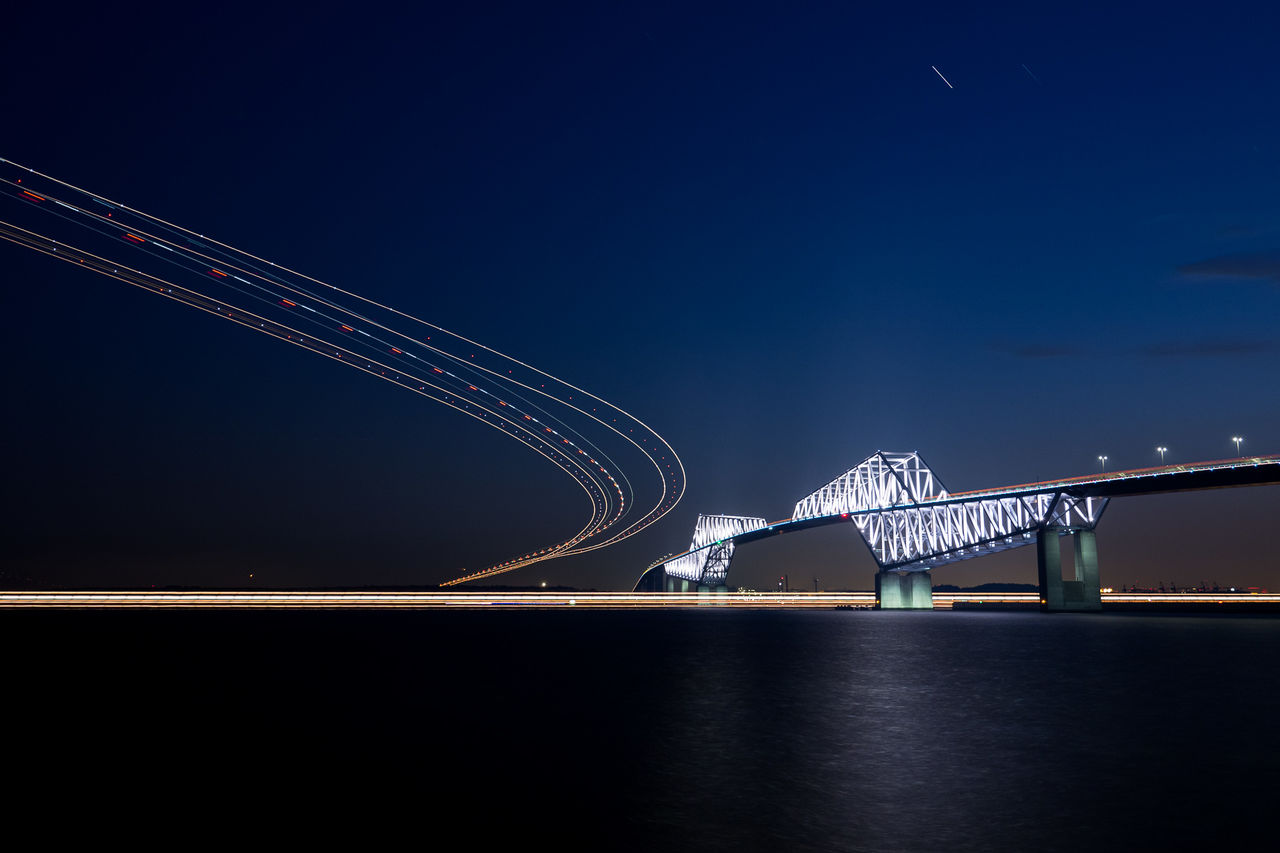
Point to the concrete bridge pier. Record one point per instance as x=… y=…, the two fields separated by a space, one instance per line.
x=1083 y=593
x=678 y=584
x=904 y=591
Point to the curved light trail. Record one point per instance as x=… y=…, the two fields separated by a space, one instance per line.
x=572 y=428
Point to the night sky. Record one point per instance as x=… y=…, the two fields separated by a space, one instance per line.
x=772 y=232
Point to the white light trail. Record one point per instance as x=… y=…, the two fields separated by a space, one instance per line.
x=502 y=392
x=244 y=600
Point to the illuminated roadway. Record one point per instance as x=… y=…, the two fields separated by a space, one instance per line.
x=241 y=600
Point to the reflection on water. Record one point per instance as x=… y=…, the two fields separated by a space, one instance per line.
x=848 y=730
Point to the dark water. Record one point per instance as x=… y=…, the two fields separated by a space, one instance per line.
x=654 y=730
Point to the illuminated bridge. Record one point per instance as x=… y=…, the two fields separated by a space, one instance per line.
x=912 y=524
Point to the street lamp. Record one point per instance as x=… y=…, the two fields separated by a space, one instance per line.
x=1237 y=439
x=1103 y=460
x=1162 y=451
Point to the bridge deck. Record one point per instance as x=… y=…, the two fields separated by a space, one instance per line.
x=1197 y=476
x=1217 y=474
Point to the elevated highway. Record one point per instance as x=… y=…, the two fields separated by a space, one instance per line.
x=913 y=524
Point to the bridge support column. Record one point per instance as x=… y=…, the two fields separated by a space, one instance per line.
x=677 y=584
x=1058 y=595
x=1087 y=570
x=904 y=591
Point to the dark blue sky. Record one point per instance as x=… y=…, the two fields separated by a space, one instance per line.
x=774 y=234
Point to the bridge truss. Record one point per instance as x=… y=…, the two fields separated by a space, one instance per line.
x=911 y=523
x=908 y=519
x=709 y=555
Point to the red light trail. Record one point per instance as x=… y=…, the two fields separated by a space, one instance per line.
x=502 y=392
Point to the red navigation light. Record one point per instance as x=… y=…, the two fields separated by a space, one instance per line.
x=396 y=351
x=133 y=238
x=218 y=273
x=347 y=329
x=287 y=302
x=33 y=196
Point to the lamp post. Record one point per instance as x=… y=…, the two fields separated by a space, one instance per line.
x=1103 y=460
x=1237 y=439
x=1162 y=451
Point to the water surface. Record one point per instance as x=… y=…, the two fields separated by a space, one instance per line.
x=708 y=729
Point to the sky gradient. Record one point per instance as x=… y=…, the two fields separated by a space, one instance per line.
x=775 y=235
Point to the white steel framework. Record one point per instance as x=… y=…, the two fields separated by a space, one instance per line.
x=712 y=548
x=910 y=521
x=882 y=480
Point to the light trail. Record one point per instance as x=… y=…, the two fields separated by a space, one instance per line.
x=241 y=600
x=564 y=424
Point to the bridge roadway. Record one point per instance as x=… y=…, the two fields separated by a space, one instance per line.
x=1196 y=476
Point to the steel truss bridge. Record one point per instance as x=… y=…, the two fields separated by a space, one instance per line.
x=913 y=524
